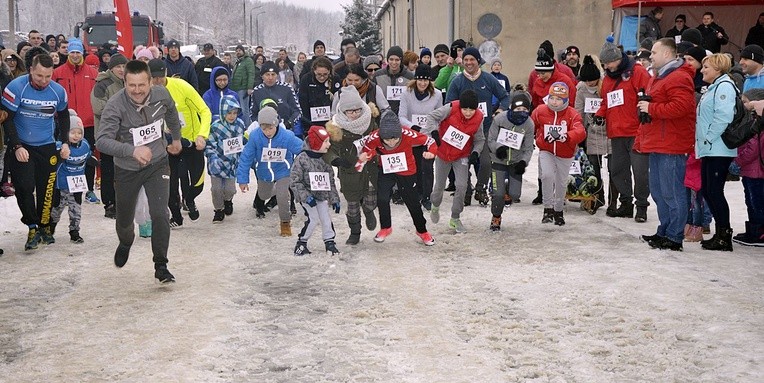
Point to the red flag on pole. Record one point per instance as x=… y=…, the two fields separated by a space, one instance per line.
x=124 y=27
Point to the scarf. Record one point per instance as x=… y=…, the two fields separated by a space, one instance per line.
x=357 y=126
x=471 y=77
x=517 y=118
x=624 y=68
x=420 y=96
x=362 y=90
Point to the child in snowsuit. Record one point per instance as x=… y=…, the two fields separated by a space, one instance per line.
x=510 y=141
x=457 y=128
x=559 y=130
x=394 y=146
x=271 y=149
x=70 y=180
x=225 y=142
x=312 y=181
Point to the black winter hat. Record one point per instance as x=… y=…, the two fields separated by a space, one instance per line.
x=474 y=52
x=698 y=53
x=389 y=125
x=683 y=47
x=441 y=48
x=158 y=68
x=458 y=43
x=422 y=72
x=269 y=66
x=520 y=98
x=753 y=52
x=692 y=35
x=395 y=51
x=544 y=62
x=468 y=99
x=318 y=43
x=548 y=48
x=589 y=71
x=117 y=59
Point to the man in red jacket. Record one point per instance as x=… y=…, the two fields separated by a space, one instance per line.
x=620 y=87
x=668 y=135
x=78 y=79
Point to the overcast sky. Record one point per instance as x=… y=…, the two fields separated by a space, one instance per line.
x=329 y=5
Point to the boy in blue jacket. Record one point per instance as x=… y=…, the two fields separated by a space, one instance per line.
x=70 y=180
x=271 y=150
x=225 y=142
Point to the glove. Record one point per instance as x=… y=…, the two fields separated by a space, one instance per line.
x=474 y=158
x=598 y=120
x=186 y=143
x=520 y=168
x=336 y=207
x=435 y=136
x=563 y=138
x=341 y=163
x=416 y=128
x=311 y=201
x=549 y=138
x=502 y=152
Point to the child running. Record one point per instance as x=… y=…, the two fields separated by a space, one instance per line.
x=394 y=146
x=559 y=130
x=313 y=185
x=225 y=142
x=70 y=180
x=457 y=127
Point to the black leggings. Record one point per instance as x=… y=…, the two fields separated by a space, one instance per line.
x=410 y=198
x=713 y=176
x=35 y=181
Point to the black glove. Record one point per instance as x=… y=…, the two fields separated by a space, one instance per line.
x=598 y=120
x=502 y=152
x=341 y=163
x=93 y=161
x=416 y=128
x=474 y=158
x=435 y=136
x=520 y=168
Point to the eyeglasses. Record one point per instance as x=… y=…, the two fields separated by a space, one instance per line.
x=353 y=111
x=321 y=74
x=372 y=70
x=678 y=21
x=9 y=59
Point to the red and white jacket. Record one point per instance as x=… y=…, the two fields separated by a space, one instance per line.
x=567 y=119
x=409 y=139
x=78 y=81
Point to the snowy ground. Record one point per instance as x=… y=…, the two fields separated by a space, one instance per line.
x=587 y=302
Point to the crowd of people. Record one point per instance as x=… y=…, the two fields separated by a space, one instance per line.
x=404 y=128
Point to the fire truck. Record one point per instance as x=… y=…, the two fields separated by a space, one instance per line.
x=100 y=28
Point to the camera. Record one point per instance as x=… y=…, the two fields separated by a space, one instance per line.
x=644 y=118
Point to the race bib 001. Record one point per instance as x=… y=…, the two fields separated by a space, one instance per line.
x=319 y=181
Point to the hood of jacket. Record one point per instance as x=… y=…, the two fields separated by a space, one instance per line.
x=226 y=104
x=216 y=71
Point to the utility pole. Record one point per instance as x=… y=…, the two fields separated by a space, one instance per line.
x=85 y=3
x=244 y=24
x=11 y=24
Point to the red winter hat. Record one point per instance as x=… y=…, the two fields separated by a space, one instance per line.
x=92 y=60
x=316 y=137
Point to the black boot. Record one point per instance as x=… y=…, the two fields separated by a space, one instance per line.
x=481 y=194
x=599 y=201
x=74 y=235
x=612 y=200
x=722 y=240
x=641 y=215
x=548 y=216
x=355 y=232
x=468 y=196
x=626 y=210
x=538 y=200
x=559 y=220
x=259 y=206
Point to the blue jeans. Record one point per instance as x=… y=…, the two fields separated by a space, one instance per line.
x=246 y=110
x=668 y=192
x=699 y=213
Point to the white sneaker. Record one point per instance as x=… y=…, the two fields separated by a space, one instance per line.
x=456 y=224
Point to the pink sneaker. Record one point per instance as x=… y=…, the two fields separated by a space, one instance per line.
x=382 y=234
x=426 y=238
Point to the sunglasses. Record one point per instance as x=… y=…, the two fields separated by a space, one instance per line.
x=372 y=70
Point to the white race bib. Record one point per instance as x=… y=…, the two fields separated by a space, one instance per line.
x=575 y=167
x=273 y=155
x=394 y=163
x=233 y=145
x=77 y=184
x=510 y=138
x=394 y=93
x=592 y=105
x=419 y=120
x=208 y=70
x=615 y=98
x=148 y=133
x=320 y=113
x=182 y=120
x=483 y=107
x=455 y=138
x=503 y=83
x=562 y=129
x=319 y=181
x=678 y=39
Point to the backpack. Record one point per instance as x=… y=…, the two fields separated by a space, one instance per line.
x=743 y=126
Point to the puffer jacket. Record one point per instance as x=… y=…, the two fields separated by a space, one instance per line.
x=451 y=115
x=751 y=155
x=304 y=164
x=715 y=111
x=623 y=120
x=214 y=95
x=672 y=129
x=78 y=81
x=107 y=85
x=540 y=89
x=218 y=163
x=597 y=142
x=569 y=119
x=353 y=184
x=267 y=171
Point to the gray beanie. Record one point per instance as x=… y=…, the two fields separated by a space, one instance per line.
x=268 y=116
x=610 y=52
x=349 y=99
x=371 y=59
x=389 y=125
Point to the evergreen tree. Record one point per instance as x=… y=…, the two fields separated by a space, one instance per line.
x=360 y=26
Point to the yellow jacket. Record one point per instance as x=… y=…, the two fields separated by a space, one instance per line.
x=194 y=114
